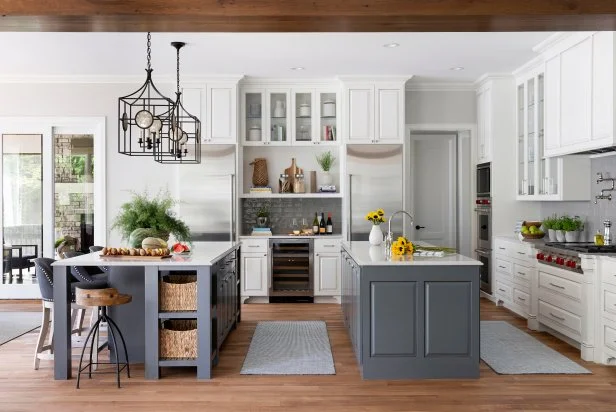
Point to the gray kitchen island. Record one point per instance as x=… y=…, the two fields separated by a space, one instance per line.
x=217 y=300
x=411 y=317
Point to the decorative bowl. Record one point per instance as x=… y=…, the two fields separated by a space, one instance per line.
x=533 y=235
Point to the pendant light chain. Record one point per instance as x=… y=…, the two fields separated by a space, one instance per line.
x=149 y=54
x=178 y=70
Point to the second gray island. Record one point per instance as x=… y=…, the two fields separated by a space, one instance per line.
x=411 y=317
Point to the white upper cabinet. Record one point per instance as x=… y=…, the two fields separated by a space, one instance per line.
x=215 y=104
x=580 y=93
x=374 y=112
x=484 y=124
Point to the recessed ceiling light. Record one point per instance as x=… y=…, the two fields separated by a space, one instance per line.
x=297 y=68
x=391 y=45
x=457 y=68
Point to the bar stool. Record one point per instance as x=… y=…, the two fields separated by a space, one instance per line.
x=103 y=298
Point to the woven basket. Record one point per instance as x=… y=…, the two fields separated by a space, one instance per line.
x=178 y=339
x=259 y=173
x=177 y=293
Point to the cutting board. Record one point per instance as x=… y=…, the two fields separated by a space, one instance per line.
x=128 y=257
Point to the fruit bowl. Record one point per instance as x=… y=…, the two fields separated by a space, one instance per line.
x=529 y=223
x=534 y=232
x=533 y=235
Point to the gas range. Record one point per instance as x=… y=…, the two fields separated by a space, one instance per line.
x=567 y=255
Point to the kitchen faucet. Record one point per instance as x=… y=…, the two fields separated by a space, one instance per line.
x=390 y=236
x=602 y=195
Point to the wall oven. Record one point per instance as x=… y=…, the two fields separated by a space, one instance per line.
x=485 y=257
x=483 y=180
x=483 y=209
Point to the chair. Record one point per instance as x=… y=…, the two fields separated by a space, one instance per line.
x=44 y=276
x=86 y=273
x=95 y=248
x=6 y=261
x=103 y=298
x=22 y=257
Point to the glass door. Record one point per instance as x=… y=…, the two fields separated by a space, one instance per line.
x=531 y=137
x=22 y=208
x=252 y=117
x=303 y=110
x=328 y=116
x=278 y=106
x=521 y=140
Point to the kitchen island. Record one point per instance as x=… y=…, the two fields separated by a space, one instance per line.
x=411 y=317
x=214 y=264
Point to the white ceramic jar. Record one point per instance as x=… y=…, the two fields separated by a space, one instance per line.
x=329 y=108
x=254 y=134
x=304 y=110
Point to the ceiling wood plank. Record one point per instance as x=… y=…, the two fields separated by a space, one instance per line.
x=306 y=16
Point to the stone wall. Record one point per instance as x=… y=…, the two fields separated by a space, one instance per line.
x=282 y=211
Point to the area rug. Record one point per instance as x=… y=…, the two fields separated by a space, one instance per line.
x=510 y=351
x=289 y=348
x=15 y=324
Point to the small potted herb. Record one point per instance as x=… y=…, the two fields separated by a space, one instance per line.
x=326 y=160
x=557 y=226
x=548 y=225
x=263 y=216
x=572 y=228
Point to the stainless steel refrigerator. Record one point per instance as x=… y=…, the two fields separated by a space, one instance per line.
x=206 y=194
x=375 y=180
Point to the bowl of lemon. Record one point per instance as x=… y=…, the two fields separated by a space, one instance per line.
x=531 y=230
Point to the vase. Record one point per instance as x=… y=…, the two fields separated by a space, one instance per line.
x=262 y=221
x=326 y=179
x=572 y=236
x=552 y=235
x=560 y=236
x=376 y=235
x=376 y=253
x=279 y=109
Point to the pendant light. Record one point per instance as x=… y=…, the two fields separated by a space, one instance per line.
x=141 y=114
x=182 y=143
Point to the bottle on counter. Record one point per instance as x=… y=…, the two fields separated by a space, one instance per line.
x=329 y=228
x=598 y=238
x=315 y=224
x=322 y=226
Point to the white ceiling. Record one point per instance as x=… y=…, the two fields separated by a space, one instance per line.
x=427 y=55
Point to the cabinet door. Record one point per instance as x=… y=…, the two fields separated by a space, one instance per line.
x=389 y=115
x=360 y=114
x=303 y=114
x=481 y=132
x=221 y=114
x=521 y=140
x=254 y=274
x=487 y=125
x=603 y=86
x=576 y=93
x=278 y=121
x=552 y=104
x=253 y=117
x=328 y=114
x=327 y=274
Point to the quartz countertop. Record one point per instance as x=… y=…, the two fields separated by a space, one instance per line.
x=202 y=254
x=365 y=254
x=291 y=237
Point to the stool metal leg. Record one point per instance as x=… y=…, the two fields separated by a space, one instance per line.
x=115 y=349
x=83 y=350
x=112 y=322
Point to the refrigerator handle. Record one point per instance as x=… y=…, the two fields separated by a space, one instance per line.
x=350 y=220
x=232 y=209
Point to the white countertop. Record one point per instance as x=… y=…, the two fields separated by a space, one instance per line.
x=366 y=255
x=291 y=237
x=203 y=254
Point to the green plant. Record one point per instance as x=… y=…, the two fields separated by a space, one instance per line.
x=557 y=224
x=548 y=222
x=58 y=242
x=326 y=160
x=263 y=212
x=144 y=211
x=570 y=224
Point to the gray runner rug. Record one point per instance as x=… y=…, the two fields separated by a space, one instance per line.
x=15 y=324
x=510 y=351
x=289 y=348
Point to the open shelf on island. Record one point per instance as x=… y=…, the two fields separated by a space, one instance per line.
x=290 y=195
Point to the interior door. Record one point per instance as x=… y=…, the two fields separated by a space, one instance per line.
x=434 y=188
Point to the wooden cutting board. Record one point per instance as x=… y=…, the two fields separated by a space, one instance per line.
x=128 y=257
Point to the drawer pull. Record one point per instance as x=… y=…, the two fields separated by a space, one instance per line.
x=502 y=290
x=502 y=248
x=502 y=267
x=522 y=299
x=253 y=246
x=557 y=317
x=329 y=245
x=521 y=253
x=522 y=273
x=557 y=286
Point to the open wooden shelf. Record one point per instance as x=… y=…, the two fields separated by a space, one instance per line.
x=289 y=195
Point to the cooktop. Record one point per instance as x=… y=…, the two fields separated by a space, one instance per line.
x=583 y=247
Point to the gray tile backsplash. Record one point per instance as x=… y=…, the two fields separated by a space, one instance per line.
x=282 y=211
x=593 y=214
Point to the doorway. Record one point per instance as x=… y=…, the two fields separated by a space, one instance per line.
x=440 y=187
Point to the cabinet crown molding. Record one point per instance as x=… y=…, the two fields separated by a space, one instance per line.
x=533 y=64
x=278 y=82
x=557 y=38
x=432 y=86
x=491 y=76
x=117 y=79
x=375 y=78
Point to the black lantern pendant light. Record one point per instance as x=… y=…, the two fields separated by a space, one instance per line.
x=182 y=143
x=141 y=116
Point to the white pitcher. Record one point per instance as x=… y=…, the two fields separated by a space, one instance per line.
x=279 y=109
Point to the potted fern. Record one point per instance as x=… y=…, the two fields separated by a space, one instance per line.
x=146 y=216
x=326 y=160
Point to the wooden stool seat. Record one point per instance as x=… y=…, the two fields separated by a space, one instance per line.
x=101 y=297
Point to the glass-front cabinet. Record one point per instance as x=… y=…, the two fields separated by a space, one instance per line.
x=536 y=175
x=295 y=116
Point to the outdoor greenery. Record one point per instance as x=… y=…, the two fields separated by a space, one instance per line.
x=326 y=160
x=145 y=211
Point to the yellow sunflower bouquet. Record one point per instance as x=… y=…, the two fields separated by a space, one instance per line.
x=402 y=246
x=376 y=217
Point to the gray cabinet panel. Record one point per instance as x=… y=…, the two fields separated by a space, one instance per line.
x=448 y=318
x=393 y=318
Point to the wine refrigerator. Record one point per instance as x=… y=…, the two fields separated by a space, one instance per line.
x=291 y=270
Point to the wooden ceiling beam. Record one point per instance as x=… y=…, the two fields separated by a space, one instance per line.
x=307 y=16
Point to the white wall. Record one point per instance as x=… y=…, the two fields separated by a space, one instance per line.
x=440 y=106
x=123 y=173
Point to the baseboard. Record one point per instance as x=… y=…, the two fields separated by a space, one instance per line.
x=327 y=299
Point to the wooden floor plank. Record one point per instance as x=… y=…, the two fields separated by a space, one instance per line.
x=23 y=389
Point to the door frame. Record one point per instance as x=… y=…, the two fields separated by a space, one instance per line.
x=464 y=131
x=47 y=127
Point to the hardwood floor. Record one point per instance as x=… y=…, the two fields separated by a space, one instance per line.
x=24 y=389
